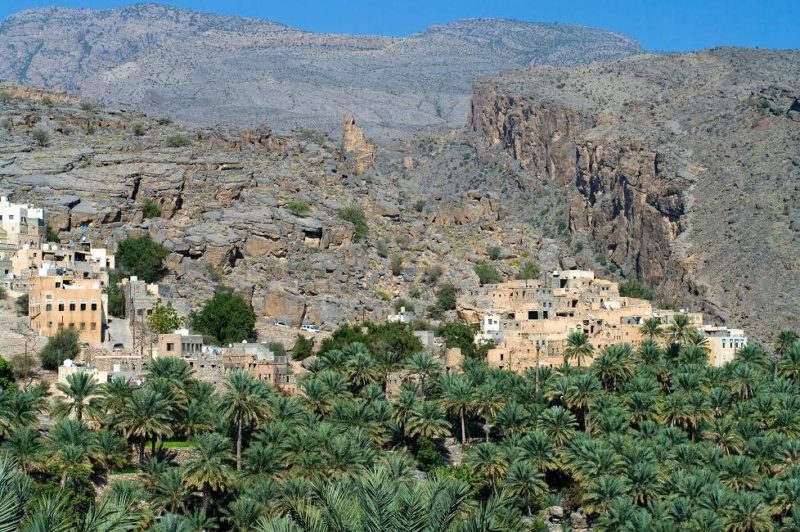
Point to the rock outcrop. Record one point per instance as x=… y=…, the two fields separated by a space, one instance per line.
x=357 y=151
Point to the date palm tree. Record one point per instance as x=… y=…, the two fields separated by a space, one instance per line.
x=424 y=366
x=559 y=424
x=427 y=420
x=580 y=394
x=245 y=404
x=207 y=468
x=784 y=340
x=651 y=329
x=169 y=491
x=145 y=416
x=680 y=329
x=24 y=447
x=458 y=400
x=79 y=389
x=525 y=482
x=578 y=347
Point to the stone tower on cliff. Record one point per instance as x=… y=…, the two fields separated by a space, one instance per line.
x=356 y=149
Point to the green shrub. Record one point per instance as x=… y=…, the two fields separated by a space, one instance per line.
x=178 y=141
x=22 y=303
x=41 y=136
x=487 y=274
x=396 y=264
x=226 y=317
x=419 y=205
x=493 y=252
x=297 y=207
x=142 y=257
x=63 y=345
x=528 y=270
x=432 y=274
x=164 y=121
x=382 y=248
x=47 y=101
x=87 y=105
x=5 y=96
x=634 y=288
x=414 y=292
x=151 y=209
x=403 y=303
x=138 y=129
x=357 y=217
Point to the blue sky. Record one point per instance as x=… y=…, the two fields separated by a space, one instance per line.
x=658 y=25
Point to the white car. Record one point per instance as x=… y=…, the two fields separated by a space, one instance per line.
x=280 y=323
x=309 y=327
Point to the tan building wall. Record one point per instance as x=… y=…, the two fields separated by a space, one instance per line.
x=179 y=344
x=62 y=302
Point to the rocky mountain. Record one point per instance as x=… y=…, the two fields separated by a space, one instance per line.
x=682 y=170
x=205 y=69
x=262 y=213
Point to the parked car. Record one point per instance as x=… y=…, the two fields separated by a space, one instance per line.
x=309 y=327
x=118 y=347
x=281 y=323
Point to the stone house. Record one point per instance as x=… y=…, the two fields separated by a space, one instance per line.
x=59 y=302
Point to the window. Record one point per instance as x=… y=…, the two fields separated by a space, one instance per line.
x=93 y=326
x=83 y=305
x=72 y=306
x=71 y=325
x=170 y=346
x=49 y=324
x=94 y=306
x=48 y=307
x=61 y=306
x=58 y=284
x=82 y=326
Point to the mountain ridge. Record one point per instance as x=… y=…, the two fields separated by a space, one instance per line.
x=206 y=69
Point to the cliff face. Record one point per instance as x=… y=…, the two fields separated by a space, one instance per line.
x=681 y=170
x=628 y=203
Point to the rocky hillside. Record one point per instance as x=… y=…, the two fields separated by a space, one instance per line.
x=205 y=69
x=683 y=170
x=262 y=213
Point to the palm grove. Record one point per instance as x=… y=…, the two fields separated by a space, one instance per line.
x=645 y=439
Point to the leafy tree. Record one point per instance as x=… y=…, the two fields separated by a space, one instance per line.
x=634 y=288
x=116 y=297
x=528 y=270
x=142 y=257
x=164 y=319
x=445 y=300
x=487 y=274
x=61 y=346
x=226 y=317
x=51 y=235
x=6 y=374
x=303 y=347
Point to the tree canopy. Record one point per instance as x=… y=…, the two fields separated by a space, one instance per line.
x=226 y=317
x=61 y=346
x=142 y=257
